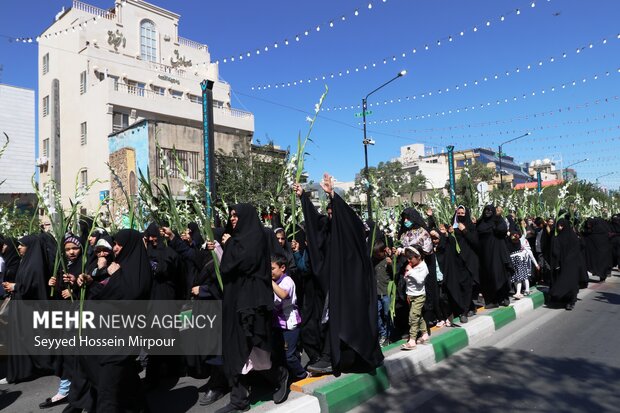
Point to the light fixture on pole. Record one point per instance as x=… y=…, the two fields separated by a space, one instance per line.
x=501 y=175
x=603 y=176
x=367 y=141
x=565 y=170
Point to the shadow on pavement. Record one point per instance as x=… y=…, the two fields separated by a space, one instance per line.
x=609 y=298
x=498 y=380
x=7 y=398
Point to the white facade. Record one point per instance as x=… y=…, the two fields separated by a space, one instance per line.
x=17 y=121
x=433 y=167
x=103 y=70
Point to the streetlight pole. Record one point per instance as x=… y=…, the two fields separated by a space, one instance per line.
x=367 y=141
x=603 y=176
x=501 y=145
x=565 y=170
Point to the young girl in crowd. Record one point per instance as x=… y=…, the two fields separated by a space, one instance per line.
x=415 y=274
x=522 y=260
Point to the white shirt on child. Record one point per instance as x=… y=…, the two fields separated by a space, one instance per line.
x=415 y=279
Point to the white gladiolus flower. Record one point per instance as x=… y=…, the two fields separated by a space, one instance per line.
x=308 y=119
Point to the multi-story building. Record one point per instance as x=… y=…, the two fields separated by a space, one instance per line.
x=435 y=166
x=17 y=163
x=102 y=71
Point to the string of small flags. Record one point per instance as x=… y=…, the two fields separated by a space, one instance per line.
x=481 y=106
x=487 y=24
x=481 y=80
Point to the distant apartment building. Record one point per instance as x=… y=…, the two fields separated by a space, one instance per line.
x=434 y=166
x=18 y=160
x=103 y=71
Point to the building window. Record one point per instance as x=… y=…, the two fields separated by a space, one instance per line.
x=218 y=104
x=46 y=63
x=115 y=78
x=195 y=99
x=176 y=94
x=83 y=133
x=161 y=91
x=148 y=41
x=46 y=105
x=46 y=147
x=83 y=178
x=119 y=121
x=189 y=161
x=135 y=88
x=83 y=82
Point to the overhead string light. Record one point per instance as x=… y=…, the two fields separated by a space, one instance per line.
x=571 y=122
x=328 y=24
x=478 y=107
x=468 y=84
x=468 y=137
x=71 y=29
x=385 y=60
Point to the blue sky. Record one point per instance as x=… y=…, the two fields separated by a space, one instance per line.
x=566 y=123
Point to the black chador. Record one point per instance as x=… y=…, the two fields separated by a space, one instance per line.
x=340 y=260
x=495 y=266
x=598 y=247
x=114 y=378
x=30 y=284
x=247 y=308
x=569 y=267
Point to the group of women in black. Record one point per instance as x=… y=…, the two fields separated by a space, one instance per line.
x=329 y=258
x=470 y=257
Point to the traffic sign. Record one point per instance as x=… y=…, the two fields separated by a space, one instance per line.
x=361 y=115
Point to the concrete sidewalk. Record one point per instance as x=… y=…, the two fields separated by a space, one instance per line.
x=340 y=394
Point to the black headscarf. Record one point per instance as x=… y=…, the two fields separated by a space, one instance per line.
x=152 y=230
x=73 y=267
x=194 y=232
x=11 y=259
x=133 y=280
x=31 y=278
x=248 y=296
x=414 y=216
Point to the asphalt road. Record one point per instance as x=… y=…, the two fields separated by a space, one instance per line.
x=552 y=360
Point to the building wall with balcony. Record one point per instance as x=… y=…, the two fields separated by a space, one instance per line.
x=17 y=163
x=107 y=83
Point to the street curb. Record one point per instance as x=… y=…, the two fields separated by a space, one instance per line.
x=503 y=316
x=340 y=394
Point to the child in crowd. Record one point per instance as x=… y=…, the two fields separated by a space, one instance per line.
x=415 y=274
x=383 y=271
x=522 y=259
x=286 y=317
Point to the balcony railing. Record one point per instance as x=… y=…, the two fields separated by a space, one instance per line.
x=194 y=45
x=147 y=92
x=96 y=11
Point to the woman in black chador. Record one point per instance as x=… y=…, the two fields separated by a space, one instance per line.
x=30 y=284
x=598 y=247
x=495 y=267
x=247 y=308
x=115 y=377
x=569 y=268
x=340 y=260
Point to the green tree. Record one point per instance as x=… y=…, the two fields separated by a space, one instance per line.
x=251 y=178
x=471 y=176
x=390 y=180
